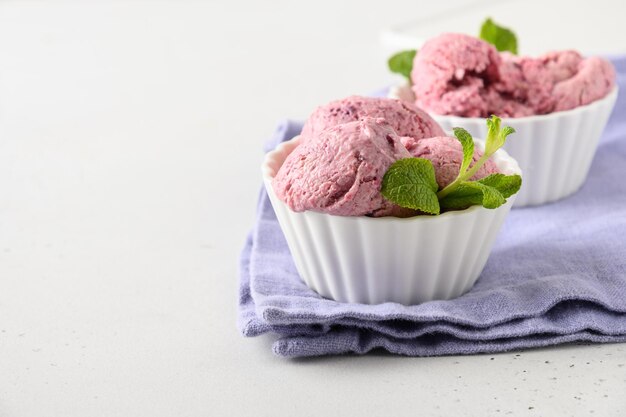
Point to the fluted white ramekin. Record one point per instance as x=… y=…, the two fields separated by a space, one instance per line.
x=388 y=259
x=554 y=150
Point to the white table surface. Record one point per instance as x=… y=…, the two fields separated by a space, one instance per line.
x=130 y=144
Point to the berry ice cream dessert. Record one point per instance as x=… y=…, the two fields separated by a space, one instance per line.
x=344 y=167
x=456 y=74
x=337 y=191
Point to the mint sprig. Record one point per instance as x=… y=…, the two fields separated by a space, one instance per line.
x=496 y=138
x=502 y=38
x=402 y=63
x=411 y=182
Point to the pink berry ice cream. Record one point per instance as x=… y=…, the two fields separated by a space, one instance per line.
x=452 y=73
x=340 y=171
x=594 y=79
x=464 y=76
x=343 y=154
x=446 y=155
x=405 y=118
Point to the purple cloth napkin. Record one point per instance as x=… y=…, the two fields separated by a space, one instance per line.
x=557 y=274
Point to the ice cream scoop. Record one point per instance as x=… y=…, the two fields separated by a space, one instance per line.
x=594 y=80
x=451 y=74
x=340 y=172
x=455 y=74
x=405 y=118
x=525 y=84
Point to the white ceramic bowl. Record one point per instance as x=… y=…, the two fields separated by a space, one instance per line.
x=554 y=150
x=388 y=259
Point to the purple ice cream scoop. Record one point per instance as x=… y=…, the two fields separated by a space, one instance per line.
x=405 y=118
x=339 y=171
x=452 y=74
x=461 y=75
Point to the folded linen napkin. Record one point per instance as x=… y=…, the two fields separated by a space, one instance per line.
x=557 y=274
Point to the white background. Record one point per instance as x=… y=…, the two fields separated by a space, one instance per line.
x=130 y=144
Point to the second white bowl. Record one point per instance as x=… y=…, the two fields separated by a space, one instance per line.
x=554 y=150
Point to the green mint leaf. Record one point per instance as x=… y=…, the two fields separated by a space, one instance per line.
x=496 y=137
x=502 y=38
x=411 y=183
x=468 y=147
x=490 y=192
x=402 y=63
x=472 y=193
x=507 y=185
